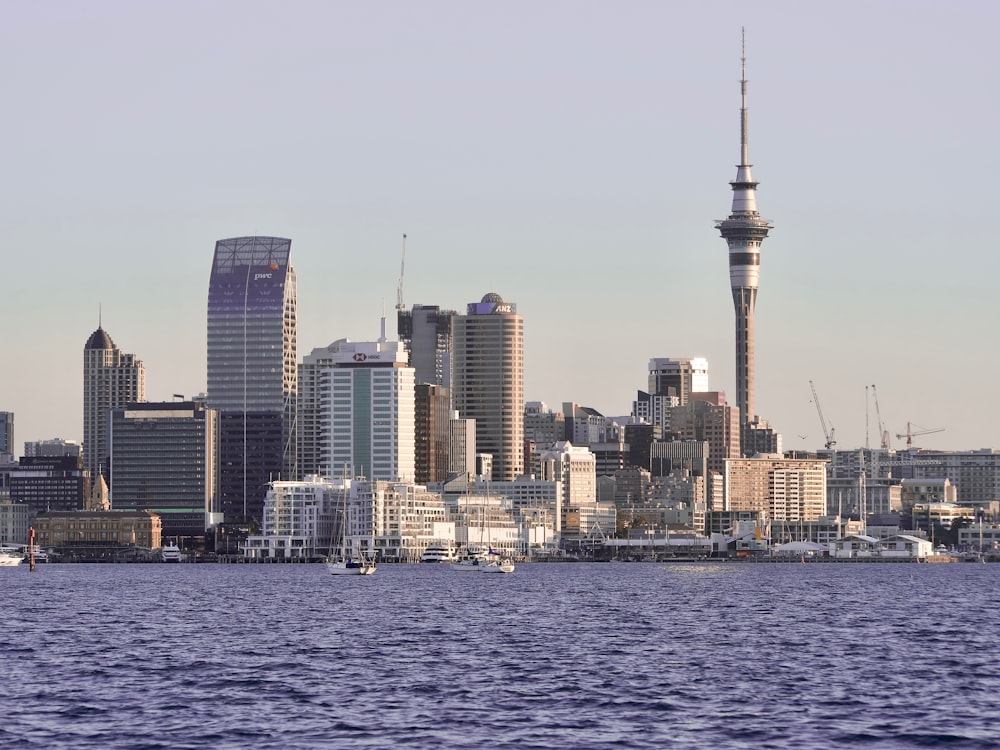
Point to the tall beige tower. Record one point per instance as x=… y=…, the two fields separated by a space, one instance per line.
x=111 y=379
x=488 y=380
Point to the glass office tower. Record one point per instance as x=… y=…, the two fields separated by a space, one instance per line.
x=252 y=374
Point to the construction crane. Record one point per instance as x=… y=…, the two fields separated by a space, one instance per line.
x=882 y=431
x=828 y=434
x=399 y=288
x=910 y=434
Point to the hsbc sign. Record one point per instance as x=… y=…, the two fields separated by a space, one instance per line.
x=360 y=357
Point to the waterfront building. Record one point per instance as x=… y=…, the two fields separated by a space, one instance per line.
x=164 y=459
x=488 y=386
x=7 y=433
x=426 y=333
x=369 y=393
x=252 y=371
x=432 y=419
x=111 y=378
x=50 y=483
x=391 y=521
x=678 y=378
x=485 y=521
x=15 y=520
x=97 y=535
x=744 y=231
x=941 y=515
x=781 y=489
x=298 y=521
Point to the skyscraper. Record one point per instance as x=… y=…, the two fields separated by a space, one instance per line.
x=111 y=379
x=426 y=330
x=744 y=232
x=370 y=414
x=252 y=374
x=432 y=420
x=488 y=380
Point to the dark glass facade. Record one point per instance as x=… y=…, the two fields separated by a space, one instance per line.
x=163 y=460
x=252 y=369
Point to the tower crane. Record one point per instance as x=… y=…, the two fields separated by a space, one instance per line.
x=910 y=434
x=882 y=431
x=828 y=434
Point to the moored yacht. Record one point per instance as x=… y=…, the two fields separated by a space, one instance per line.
x=437 y=552
x=11 y=556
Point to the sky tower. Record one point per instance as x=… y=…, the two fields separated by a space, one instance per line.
x=744 y=231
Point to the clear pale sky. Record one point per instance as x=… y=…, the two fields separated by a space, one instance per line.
x=571 y=156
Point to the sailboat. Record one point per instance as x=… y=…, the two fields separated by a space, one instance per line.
x=476 y=559
x=342 y=563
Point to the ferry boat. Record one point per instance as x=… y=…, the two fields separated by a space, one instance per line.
x=170 y=553
x=437 y=552
x=11 y=556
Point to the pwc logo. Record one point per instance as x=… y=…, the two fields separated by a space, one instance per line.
x=258 y=276
x=360 y=357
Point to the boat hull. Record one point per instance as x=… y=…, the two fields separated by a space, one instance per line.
x=350 y=569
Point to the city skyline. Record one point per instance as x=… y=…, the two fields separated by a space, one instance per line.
x=575 y=164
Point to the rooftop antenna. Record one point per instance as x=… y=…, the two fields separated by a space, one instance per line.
x=399 y=289
x=744 y=144
x=381 y=338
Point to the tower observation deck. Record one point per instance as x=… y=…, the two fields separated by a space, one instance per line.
x=744 y=231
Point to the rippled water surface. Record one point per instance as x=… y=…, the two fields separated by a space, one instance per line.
x=730 y=655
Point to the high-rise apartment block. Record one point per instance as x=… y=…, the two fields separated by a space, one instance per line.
x=678 y=377
x=111 y=379
x=252 y=368
x=781 y=489
x=488 y=385
x=163 y=459
x=426 y=331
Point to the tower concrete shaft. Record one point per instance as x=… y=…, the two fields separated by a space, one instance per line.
x=744 y=231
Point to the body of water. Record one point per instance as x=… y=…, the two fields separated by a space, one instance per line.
x=727 y=655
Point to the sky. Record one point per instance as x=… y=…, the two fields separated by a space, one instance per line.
x=571 y=156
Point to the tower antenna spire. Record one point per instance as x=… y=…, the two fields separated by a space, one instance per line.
x=399 y=288
x=744 y=141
